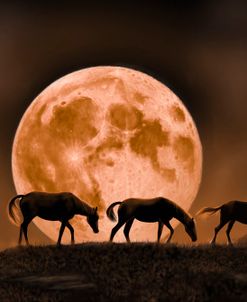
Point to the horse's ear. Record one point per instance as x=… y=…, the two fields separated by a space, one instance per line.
x=96 y=209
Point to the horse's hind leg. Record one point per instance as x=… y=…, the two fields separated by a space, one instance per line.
x=69 y=226
x=160 y=229
x=228 y=231
x=24 y=227
x=121 y=222
x=122 y=218
x=167 y=224
x=116 y=228
x=218 y=228
x=20 y=236
x=127 y=229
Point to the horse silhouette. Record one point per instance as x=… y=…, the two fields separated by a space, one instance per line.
x=230 y=212
x=55 y=207
x=158 y=209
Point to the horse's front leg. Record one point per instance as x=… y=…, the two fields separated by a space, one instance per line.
x=69 y=226
x=167 y=224
x=61 y=232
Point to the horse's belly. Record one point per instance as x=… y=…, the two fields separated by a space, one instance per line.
x=54 y=216
x=147 y=217
x=241 y=219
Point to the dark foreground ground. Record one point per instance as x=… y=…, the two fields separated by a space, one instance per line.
x=124 y=272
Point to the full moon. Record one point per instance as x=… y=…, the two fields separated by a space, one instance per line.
x=106 y=134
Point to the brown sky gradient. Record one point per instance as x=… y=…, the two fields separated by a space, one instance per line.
x=198 y=50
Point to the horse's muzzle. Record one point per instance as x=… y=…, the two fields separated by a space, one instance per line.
x=96 y=231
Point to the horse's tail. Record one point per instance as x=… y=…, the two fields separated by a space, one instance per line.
x=208 y=211
x=12 y=205
x=110 y=213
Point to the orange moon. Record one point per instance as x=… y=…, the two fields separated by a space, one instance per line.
x=106 y=134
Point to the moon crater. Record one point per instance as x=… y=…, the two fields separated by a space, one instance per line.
x=125 y=117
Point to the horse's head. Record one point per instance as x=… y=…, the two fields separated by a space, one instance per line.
x=190 y=228
x=92 y=220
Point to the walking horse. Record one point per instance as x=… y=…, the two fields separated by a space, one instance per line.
x=54 y=207
x=158 y=209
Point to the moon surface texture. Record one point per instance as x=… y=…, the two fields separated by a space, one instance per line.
x=107 y=134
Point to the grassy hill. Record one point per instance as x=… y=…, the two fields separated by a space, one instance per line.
x=243 y=241
x=123 y=272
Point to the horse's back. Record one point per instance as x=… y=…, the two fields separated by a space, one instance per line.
x=235 y=205
x=241 y=204
x=149 y=209
x=235 y=210
x=148 y=201
x=43 y=204
x=48 y=195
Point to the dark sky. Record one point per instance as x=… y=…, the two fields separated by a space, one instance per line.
x=198 y=49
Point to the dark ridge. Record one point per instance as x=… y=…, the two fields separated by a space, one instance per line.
x=123 y=272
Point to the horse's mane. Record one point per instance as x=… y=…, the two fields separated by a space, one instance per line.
x=82 y=204
x=181 y=211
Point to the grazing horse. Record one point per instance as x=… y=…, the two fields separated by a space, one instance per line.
x=52 y=206
x=158 y=209
x=229 y=213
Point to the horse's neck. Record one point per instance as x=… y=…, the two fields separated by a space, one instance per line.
x=83 y=208
x=182 y=216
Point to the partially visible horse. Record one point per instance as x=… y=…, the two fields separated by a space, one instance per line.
x=158 y=209
x=52 y=206
x=229 y=213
